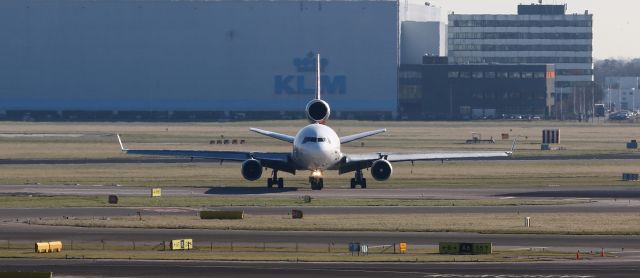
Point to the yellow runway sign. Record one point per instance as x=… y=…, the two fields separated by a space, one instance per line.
x=156 y=192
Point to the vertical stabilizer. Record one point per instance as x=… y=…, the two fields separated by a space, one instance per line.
x=318 y=110
x=318 y=75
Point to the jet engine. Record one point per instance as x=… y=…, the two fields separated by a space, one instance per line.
x=318 y=111
x=381 y=170
x=251 y=169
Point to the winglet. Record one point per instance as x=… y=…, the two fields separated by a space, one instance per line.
x=120 y=141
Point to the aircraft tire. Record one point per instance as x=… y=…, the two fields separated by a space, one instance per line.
x=269 y=183
x=353 y=183
x=364 y=183
x=280 y=183
x=317 y=184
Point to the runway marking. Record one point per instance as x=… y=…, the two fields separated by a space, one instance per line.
x=167 y=210
x=313 y=269
x=436 y=275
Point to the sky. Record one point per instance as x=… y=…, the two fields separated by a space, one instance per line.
x=616 y=23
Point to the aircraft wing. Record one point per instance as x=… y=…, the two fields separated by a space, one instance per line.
x=360 y=161
x=279 y=136
x=399 y=157
x=274 y=160
x=350 y=138
x=217 y=155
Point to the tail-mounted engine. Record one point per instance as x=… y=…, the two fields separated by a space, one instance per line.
x=381 y=170
x=318 y=111
x=251 y=169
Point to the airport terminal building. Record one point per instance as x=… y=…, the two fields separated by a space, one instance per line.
x=537 y=34
x=436 y=90
x=197 y=60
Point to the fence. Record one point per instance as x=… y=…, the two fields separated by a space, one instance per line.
x=208 y=246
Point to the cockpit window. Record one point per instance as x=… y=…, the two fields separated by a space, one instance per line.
x=314 y=139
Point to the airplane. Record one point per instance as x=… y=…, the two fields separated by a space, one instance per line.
x=316 y=148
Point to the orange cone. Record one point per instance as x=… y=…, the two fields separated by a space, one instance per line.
x=578 y=255
x=602 y=252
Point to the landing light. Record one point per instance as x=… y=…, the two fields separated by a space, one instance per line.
x=316 y=174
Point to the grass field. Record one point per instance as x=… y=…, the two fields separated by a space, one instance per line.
x=204 y=201
x=493 y=223
x=96 y=141
x=71 y=141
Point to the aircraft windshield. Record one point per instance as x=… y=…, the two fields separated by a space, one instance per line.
x=314 y=139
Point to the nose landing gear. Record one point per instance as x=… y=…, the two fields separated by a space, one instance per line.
x=317 y=183
x=274 y=180
x=358 y=180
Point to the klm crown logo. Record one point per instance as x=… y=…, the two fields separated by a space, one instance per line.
x=303 y=81
x=308 y=63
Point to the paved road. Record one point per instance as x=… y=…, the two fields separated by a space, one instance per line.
x=606 y=192
x=24 y=232
x=601 y=206
x=126 y=268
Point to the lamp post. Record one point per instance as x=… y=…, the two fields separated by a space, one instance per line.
x=561 y=116
x=619 y=98
x=609 y=97
x=633 y=100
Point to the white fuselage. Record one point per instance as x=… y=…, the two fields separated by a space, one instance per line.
x=316 y=147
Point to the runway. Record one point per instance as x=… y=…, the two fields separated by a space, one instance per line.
x=134 y=268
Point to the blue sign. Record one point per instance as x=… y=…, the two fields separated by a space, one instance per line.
x=304 y=84
x=354 y=247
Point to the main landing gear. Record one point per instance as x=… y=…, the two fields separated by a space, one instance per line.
x=274 y=180
x=317 y=183
x=358 y=180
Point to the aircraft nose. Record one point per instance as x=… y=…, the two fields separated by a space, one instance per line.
x=318 y=154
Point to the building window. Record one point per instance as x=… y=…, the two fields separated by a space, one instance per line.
x=465 y=74
x=551 y=74
x=409 y=89
x=518 y=47
x=490 y=74
x=503 y=74
x=476 y=74
x=527 y=75
x=521 y=36
x=522 y=23
x=574 y=72
x=410 y=92
x=453 y=74
x=539 y=74
x=514 y=74
x=410 y=74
